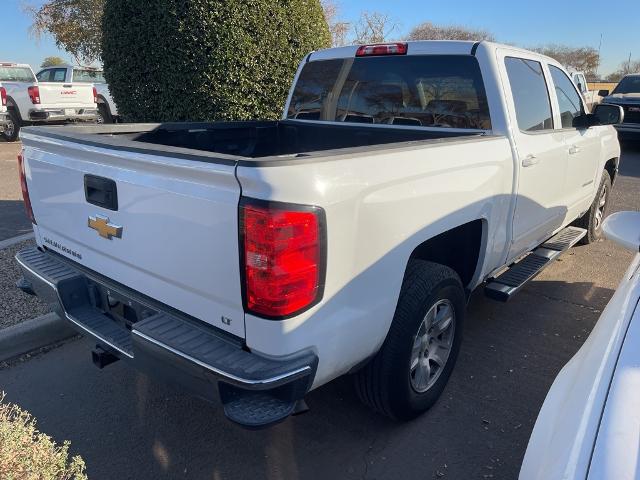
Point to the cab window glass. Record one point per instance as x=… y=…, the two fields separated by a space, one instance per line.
x=569 y=99
x=530 y=94
x=58 y=75
x=43 y=76
x=444 y=91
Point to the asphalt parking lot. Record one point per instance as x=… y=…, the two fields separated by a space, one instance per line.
x=126 y=425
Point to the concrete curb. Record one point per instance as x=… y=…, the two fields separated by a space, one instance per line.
x=32 y=335
x=13 y=240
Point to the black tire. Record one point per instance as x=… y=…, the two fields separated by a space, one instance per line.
x=12 y=131
x=592 y=220
x=103 y=114
x=386 y=383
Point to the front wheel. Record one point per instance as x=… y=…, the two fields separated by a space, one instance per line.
x=408 y=374
x=592 y=220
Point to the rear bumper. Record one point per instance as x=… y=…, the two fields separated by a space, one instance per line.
x=63 y=115
x=4 y=118
x=255 y=391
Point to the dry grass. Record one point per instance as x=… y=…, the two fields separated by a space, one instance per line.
x=27 y=454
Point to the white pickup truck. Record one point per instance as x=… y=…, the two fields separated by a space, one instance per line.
x=107 y=109
x=32 y=102
x=259 y=260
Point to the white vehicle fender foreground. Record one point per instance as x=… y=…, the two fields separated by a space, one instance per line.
x=562 y=440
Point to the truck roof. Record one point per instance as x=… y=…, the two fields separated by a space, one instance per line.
x=13 y=64
x=426 y=47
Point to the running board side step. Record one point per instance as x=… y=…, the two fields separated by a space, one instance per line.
x=509 y=282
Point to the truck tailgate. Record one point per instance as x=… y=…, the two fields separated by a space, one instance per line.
x=56 y=94
x=178 y=242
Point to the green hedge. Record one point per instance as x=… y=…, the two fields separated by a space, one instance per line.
x=177 y=60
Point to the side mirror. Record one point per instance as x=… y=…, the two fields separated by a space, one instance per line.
x=603 y=93
x=608 y=114
x=624 y=229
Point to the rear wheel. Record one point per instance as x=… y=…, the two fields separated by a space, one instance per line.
x=592 y=220
x=12 y=130
x=408 y=374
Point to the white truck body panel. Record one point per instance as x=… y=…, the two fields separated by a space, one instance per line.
x=68 y=95
x=369 y=241
x=575 y=437
x=179 y=243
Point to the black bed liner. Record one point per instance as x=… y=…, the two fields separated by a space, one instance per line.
x=254 y=143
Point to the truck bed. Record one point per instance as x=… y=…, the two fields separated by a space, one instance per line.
x=244 y=140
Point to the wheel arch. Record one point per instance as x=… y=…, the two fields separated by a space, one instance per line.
x=460 y=248
x=13 y=105
x=103 y=101
x=611 y=166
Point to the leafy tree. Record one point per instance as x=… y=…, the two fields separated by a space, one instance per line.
x=430 y=31
x=174 y=60
x=52 y=62
x=584 y=59
x=75 y=25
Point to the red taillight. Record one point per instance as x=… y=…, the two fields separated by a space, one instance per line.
x=3 y=96
x=34 y=95
x=378 y=49
x=95 y=95
x=25 y=189
x=283 y=256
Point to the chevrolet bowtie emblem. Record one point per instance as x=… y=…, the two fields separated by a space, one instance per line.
x=106 y=229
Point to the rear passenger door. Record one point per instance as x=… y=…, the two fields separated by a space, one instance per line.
x=539 y=149
x=583 y=144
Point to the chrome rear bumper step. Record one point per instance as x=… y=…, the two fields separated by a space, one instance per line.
x=509 y=282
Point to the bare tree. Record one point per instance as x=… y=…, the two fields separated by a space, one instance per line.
x=339 y=30
x=430 y=31
x=374 y=27
x=584 y=59
x=625 y=68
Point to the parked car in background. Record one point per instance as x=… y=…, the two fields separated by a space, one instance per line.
x=4 y=115
x=627 y=95
x=591 y=97
x=107 y=109
x=32 y=102
x=589 y=425
x=270 y=257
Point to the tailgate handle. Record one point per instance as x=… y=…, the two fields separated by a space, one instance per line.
x=101 y=191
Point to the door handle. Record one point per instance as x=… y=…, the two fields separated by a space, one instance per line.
x=529 y=160
x=573 y=149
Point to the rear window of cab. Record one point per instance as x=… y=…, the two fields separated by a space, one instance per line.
x=414 y=90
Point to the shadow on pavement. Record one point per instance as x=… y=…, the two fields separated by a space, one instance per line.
x=127 y=425
x=14 y=219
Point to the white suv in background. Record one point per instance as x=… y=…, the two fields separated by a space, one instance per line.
x=107 y=109
x=33 y=102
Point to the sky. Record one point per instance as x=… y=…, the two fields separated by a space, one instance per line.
x=524 y=23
